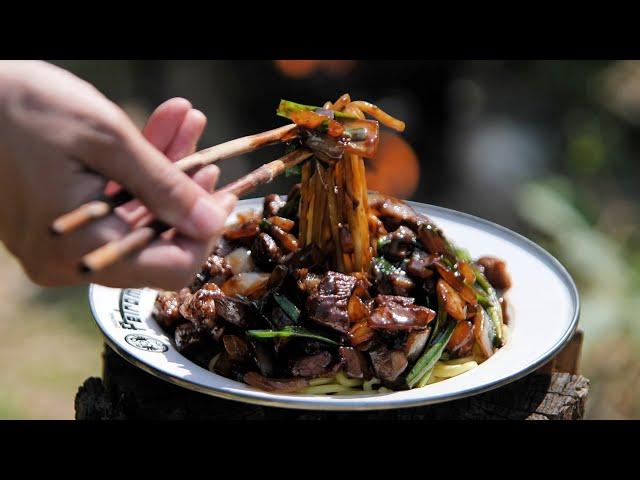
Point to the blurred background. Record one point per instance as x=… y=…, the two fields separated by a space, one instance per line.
x=547 y=148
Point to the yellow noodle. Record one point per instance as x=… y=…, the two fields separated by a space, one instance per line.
x=304 y=203
x=333 y=218
x=341 y=102
x=448 y=371
x=368 y=384
x=325 y=389
x=321 y=381
x=342 y=379
x=378 y=114
x=458 y=361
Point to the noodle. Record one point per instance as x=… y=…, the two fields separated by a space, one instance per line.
x=378 y=114
x=446 y=371
x=340 y=189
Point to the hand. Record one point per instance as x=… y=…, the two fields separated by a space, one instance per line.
x=60 y=140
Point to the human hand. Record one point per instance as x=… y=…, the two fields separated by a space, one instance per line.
x=60 y=140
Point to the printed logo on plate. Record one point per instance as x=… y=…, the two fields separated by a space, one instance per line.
x=148 y=344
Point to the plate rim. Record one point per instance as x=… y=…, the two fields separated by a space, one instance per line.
x=308 y=403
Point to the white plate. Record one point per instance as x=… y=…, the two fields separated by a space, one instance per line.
x=545 y=313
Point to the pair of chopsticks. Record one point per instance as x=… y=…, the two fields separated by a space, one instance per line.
x=149 y=228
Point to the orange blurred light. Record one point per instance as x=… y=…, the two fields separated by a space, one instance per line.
x=296 y=68
x=395 y=170
x=304 y=68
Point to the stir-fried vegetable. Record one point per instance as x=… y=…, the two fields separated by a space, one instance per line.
x=286 y=107
x=290 y=332
x=429 y=358
x=287 y=306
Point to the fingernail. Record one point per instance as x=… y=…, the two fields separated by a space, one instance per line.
x=206 y=218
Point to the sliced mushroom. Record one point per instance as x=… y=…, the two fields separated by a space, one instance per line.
x=453 y=303
x=462 y=339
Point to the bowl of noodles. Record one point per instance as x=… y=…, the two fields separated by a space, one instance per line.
x=335 y=297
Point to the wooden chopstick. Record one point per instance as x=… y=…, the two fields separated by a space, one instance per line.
x=104 y=205
x=150 y=228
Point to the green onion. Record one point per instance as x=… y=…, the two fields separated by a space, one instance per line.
x=490 y=301
x=441 y=318
x=286 y=107
x=289 y=332
x=287 y=306
x=425 y=378
x=265 y=224
x=383 y=241
x=383 y=265
x=429 y=358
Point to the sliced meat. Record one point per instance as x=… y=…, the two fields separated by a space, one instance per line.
x=214 y=269
x=401 y=242
x=265 y=252
x=416 y=341
x=381 y=300
x=283 y=385
x=433 y=239
x=272 y=203
x=237 y=349
x=189 y=338
x=329 y=311
x=394 y=316
x=496 y=272
x=312 y=365
x=392 y=211
x=234 y=311
x=217 y=332
x=307 y=281
x=391 y=280
x=200 y=307
x=166 y=309
x=388 y=364
x=334 y=283
x=217 y=269
x=419 y=264
x=354 y=362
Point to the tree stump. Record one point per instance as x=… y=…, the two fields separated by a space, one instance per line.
x=126 y=392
